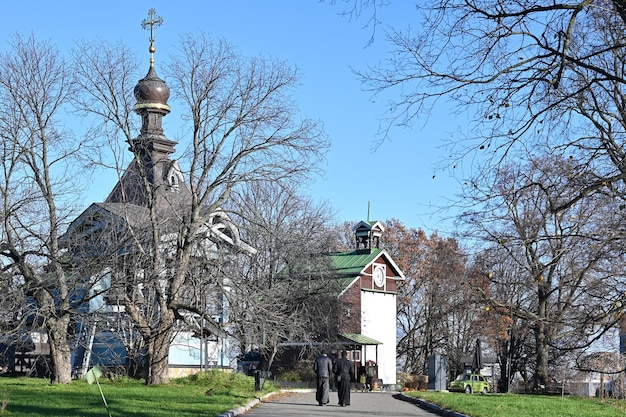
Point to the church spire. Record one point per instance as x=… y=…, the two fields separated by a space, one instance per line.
x=152 y=149
x=152 y=94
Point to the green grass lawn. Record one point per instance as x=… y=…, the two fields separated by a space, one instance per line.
x=515 y=405
x=212 y=393
x=206 y=394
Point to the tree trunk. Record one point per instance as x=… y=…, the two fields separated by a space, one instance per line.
x=56 y=326
x=541 y=371
x=271 y=358
x=60 y=352
x=158 y=357
x=540 y=377
x=505 y=365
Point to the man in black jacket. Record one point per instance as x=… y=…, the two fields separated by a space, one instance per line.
x=323 y=367
x=344 y=372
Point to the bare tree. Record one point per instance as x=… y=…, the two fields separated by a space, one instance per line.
x=283 y=224
x=105 y=76
x=569 y=262
x=13 y=311
x=536 y=78
x=240 y=127
x=509 y=335
x=514 y=61
x=277 y=301
x=37 y=184
x=436 y=314
x=528 y=75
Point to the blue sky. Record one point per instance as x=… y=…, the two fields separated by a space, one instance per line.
x=396 y=178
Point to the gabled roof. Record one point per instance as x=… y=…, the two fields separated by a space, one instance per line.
x=117 y=216
x=132 y=214
x=164 y=176
x=351 y=264
x=373 y=224
x=95 y=218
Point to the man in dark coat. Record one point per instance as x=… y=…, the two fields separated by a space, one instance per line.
x=344 y=372
x=323 y=368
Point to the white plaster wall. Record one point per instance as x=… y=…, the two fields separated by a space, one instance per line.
x=185 y=350
x=378 y=321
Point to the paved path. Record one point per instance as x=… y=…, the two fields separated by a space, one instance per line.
x=303 y=404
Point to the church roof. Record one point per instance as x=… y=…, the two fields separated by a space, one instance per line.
x=116 y=217
x=369 y=224
x=152 y=178
x=359 y=339
x=132 y=214
x=171 y=188
x=352 y=263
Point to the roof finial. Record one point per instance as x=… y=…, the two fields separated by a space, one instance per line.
x=152 y=21
x=368 y=211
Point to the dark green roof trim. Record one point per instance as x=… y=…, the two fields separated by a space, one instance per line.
x=379 y=291
x=360 y=339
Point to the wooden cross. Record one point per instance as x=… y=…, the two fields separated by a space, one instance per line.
x=152 y=21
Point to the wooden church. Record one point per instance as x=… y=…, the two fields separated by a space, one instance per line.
x=151 y=192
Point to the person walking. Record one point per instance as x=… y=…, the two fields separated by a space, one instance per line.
x=344 y=373
x=323 y=368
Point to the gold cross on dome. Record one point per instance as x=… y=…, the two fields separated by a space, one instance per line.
x=153 y=20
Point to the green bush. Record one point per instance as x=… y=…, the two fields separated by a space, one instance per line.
x=292 y=376
x=217 y=379
x=305 y=370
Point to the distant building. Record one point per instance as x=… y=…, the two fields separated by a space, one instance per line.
x=367 y=281
x=370 y=298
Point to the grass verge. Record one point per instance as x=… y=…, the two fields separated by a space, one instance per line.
x=207 y=394
x=516 y=405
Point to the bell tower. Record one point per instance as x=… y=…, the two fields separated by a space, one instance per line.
x=367 y=235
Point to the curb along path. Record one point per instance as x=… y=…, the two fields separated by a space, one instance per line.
x=302 y=403
x=429 y=406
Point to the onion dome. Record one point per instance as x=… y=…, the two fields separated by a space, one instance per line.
x=151 y=92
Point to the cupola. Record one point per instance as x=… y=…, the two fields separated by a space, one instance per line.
x=367 y=235
x=152 y=94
